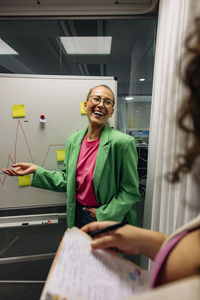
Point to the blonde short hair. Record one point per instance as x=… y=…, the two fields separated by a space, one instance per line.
x=105 y=86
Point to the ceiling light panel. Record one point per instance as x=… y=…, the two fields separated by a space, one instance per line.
x=5 y=49
x=87 y=45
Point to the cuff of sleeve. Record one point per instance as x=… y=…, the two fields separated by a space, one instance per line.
x=38 y=172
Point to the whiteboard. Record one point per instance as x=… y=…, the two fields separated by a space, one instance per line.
x=25 y=139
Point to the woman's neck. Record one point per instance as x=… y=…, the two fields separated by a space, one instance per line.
x=94 y=133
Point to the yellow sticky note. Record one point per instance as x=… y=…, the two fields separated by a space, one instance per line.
x=82 y=108
x=60 y=155
x=18 y=111
x=24 y=180
x=131 y=123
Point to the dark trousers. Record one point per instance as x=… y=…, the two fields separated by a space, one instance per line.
x=82 y=217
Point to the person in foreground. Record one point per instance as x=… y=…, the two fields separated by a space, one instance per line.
x=100 y=168
x=178 y=256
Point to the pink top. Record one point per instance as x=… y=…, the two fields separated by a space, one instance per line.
x=162 y=256
x=84 y=172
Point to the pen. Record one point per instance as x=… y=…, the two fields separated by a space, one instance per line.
x=107 y=229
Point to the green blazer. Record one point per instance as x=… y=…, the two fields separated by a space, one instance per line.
x=115 y=176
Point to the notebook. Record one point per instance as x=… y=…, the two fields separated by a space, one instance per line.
x=80 y=273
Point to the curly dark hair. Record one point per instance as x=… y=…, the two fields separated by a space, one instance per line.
x=188 y=118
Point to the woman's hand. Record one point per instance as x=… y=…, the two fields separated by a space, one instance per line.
x=92 y=212
x=124 y=239
x=128 y=239
x=20 y=169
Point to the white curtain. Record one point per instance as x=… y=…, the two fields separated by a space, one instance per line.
x=166 y=205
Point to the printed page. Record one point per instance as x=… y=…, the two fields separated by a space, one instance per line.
x=80 y=273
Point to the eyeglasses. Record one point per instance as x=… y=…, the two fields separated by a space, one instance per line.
x=106 y=101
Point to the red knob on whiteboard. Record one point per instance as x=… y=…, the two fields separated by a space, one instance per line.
x=42 y=120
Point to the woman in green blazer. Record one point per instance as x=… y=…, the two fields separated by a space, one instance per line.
x=114 y=180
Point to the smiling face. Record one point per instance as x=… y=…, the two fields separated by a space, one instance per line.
x=99 y=106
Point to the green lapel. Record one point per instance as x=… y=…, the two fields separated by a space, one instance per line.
x=75 y=149
x=102 y=156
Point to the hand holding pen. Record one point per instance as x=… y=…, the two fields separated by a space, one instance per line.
x=110 y=234
x=126 y=238
x=107 y=229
